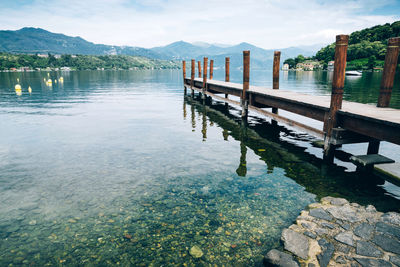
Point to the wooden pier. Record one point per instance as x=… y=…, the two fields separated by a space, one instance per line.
x=344 y=122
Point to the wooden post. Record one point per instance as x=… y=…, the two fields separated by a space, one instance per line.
x=337 y=93
x=199 y=65
x=205 y=63
x=192 y=76
x=389 y=71
x=385 y=92
x=211 y=69
x=275 y=75
x=227 y=60
x=246 y=82
x=184 y=74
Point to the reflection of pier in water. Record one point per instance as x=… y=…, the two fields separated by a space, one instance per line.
x=264 y=139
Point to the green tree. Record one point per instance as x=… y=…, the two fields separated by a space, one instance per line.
x=371 y=62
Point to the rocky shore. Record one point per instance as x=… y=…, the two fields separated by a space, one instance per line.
x=335 y=232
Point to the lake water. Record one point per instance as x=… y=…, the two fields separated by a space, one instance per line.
x=117 y=167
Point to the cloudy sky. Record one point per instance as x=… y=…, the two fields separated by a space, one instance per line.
x=265 y=23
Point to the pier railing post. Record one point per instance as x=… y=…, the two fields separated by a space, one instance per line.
x=389 y=70
x=192 y=76
x=246 y=82
x=337 y=93
x=205 y=63
x=227 y=61
x=184 y=75
x=211 y=69
x=199 y=67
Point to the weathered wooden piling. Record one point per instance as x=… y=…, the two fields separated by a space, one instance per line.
x=192 y=76
x=389 y=70
x=337 y=93
x=385 y=92
x=184 y=75
x=246 y=82
x=205 y=64
x=211 y=69
x=199 y=67
x=227 y=61
x=275 y=76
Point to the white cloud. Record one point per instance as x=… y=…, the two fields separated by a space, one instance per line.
x=266 y=23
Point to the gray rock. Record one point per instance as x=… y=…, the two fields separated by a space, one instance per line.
x=307 y=225
x=328 y=225
x=310 y=234
x=367 y=249
x=338 y=201
x=342 y=248
x=278 y=258
x=295 y=242
x=346 y=226
x=320 y=214
x=321 y=231
x=327 y=252
x=345 y=213
x=370 y=208
x=340 y=260
x=391 y=217
x=388 y=229
x=364 y=231
x=387 y=243
x=395 y=260
x=311 y=265
x=365 y=262
x=345 y=238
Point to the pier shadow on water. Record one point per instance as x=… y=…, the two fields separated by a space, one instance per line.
x=280 y=147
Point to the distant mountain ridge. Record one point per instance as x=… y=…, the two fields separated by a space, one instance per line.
x=36 y=40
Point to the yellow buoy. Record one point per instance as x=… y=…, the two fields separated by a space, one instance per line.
x=61 y=80
x=44 y=79
x=55 y=81
x=17 y=80
x=18 y=87
x=29 y=89
x=48 y=74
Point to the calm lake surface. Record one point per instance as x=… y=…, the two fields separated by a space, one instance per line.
x=117 y=167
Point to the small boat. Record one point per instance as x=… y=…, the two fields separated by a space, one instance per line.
x=353 y=73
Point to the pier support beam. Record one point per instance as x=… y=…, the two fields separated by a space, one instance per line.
x=205 y=64
x=246 y=83
x=337 y=94
x=227 y=61
x=184 y=75
x=193 y=65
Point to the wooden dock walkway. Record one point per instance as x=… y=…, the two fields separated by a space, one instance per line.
x=344 y=122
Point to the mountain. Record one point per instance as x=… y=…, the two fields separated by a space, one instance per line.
x=36 y=40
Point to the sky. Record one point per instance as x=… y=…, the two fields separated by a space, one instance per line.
x=266 y=23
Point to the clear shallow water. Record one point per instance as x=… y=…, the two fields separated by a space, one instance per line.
x=119 y=168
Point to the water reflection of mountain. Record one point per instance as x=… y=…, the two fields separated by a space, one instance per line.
x=264 y=139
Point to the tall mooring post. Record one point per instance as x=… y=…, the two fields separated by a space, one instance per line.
x=275 y=78
x=184 y=74
x=246 y=83
x=330 y=120
x=193 y=65
x=211 y=69
x=205 y=64
x=385 y=92
x=199 y=67
x=227 y=60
